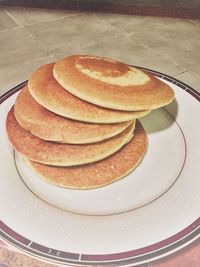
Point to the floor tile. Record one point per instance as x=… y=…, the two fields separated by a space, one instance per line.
x=25 y=16
x=130 y=23
x=128 y=50
x=188 y=58
x=12 y=75
x=194 y=65
x=17 y=46
x=190 y=79
x=74 y=32
x=162 y=35
x=6 y=21
x=177 y=40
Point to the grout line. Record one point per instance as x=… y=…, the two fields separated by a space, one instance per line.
x=163 y=57
x=12 y=17
x=190 y=22
x=121 y=35
x=40 y=58
x=194 y=73
x=40 y=46
x=21 y=26
x=58 y=55
x=48 y=20
x=190 y=72
x=11 y=28
x=103 y=42
x=193 y=23
x=157 y=53
x=51 y=20
x=181 y=72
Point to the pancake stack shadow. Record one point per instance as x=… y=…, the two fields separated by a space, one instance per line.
x=76 y=121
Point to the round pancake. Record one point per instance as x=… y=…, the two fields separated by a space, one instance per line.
x=59 y=154
x=49 y=126
x=111 y=84
x=99 y=173
x=50 y=94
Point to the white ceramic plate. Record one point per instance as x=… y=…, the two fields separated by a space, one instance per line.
x=152 y=212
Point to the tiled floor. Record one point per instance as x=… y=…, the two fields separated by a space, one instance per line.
x=32 y=37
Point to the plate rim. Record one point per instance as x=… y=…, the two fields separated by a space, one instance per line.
x=137 y=256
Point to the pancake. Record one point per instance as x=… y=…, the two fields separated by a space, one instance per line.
x=48 y=93
x=111 y=84
x=59 y=154
x=49 y=126
x=99 y=173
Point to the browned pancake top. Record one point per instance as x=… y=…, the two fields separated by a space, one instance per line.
x=50 y=94
x=111 y=84
x=99 y=173
x=49 y=126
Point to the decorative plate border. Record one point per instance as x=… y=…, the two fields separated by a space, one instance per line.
x=133 y=257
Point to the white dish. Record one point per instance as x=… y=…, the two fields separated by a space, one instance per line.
x=155 y=210
x=135 y=190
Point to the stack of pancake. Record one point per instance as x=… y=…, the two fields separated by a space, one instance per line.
x=75 y=122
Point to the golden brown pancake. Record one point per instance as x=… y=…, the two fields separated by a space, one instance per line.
x=60 y=154
x=50 y=94
x=99 y=173
x=111 y=84
x=49 y=126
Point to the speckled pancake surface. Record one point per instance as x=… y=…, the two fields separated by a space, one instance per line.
x=50 y=94
x=99 y=173
x=58 y=154
x=49 y=126
x=111 y=84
